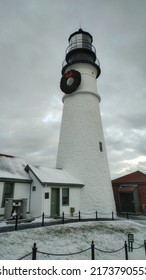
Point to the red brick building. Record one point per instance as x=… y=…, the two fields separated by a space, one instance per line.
x=130 y=193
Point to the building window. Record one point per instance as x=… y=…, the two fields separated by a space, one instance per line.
x=65 y=196
x=8 y=192
x=46 y=195
x=33 y=188
x=100 y=147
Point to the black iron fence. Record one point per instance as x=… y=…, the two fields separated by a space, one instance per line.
x=34 y=253
x=130 y=215
x=45 y=220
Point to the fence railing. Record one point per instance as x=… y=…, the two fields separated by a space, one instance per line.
x=92 y=249
x=70 y=218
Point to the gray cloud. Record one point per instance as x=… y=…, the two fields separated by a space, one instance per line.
x=33 y=39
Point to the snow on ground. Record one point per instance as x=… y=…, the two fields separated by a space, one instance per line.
x=75 y=237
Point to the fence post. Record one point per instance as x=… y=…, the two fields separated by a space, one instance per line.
x=34 y=251
x=63 y=218
x=79 y=216
x=112 y=216
x=145 y=246
x=43 y=216
x=96 y=216
x=16 y=222
x=92 y=251
x=126 y=251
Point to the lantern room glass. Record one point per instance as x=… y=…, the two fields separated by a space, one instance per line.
x=80 y=41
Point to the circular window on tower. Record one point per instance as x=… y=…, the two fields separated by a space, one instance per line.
x=70 y=81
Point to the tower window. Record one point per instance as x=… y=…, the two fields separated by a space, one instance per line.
x=33 y=188
x=65 y=196
x=100 y=147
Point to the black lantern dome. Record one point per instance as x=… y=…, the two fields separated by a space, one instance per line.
x=81 y=50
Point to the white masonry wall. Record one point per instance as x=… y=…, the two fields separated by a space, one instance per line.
x=78 y=150
x=22 y=190
x=74 y=201
x=36 y=197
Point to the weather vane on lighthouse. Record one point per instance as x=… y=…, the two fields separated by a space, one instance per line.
x=81 y=149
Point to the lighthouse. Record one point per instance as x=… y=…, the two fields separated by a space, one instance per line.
x=81 y=148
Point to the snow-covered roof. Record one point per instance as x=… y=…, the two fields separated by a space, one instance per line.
x=47 y=175
x=13 y=168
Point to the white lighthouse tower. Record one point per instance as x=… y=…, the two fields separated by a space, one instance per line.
x=81 y=149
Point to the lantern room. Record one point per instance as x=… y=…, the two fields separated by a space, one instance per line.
x=81 y=50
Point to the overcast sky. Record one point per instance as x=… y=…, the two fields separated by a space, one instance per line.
x=33 y=38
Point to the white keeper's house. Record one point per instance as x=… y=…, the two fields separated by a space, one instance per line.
x=47 y=190
x=81 y=179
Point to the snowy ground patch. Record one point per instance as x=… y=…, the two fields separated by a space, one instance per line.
x=71 y=238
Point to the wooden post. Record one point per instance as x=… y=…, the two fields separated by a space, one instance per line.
x=92 y=251
x=112 y=216
x=34 y=251
x=126 y=251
